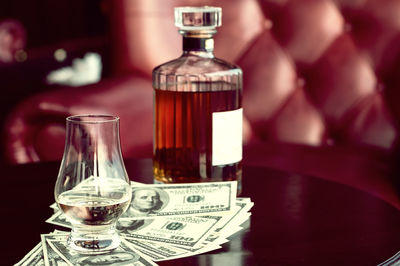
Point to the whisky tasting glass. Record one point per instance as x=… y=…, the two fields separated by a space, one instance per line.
x=92 y=187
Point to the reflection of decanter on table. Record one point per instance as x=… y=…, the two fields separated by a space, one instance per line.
x=197 y=107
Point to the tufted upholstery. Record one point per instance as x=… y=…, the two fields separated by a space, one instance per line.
x=321 y=86
x=316 y=72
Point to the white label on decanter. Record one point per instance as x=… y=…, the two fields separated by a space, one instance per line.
x=227 y=133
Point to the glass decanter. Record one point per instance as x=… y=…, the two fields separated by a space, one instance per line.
x=197 y=107
x=92 y=187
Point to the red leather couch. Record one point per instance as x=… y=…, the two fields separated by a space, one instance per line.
x=321 y=86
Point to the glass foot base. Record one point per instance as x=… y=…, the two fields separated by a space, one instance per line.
x=93 y=243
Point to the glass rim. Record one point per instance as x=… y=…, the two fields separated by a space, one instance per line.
x=92 y=118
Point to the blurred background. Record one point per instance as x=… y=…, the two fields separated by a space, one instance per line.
x=321 y=84
x=39 y=37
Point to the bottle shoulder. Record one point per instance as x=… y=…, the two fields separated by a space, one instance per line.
x=191 y=73
x=197 y=65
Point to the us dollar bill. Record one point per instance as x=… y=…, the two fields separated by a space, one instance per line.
x=184 y=231
x=162 y=251
x=56 y=252
x=225 y=227
x=51 y=257
x=161 y=200
x=239 y=216
x=34 y=257
x=58 y=218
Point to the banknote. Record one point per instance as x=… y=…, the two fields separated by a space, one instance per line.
x=56 y=253
x=183 y=231
x=238 y=217
x=144 y=235
x=216 y=237
x=34 y=257
x=186 y=231
x=241 y=208
x=392 y=261
x=58 y=218
x=162 y=251
x=52 y=258
x=191 y=228
x=54 y=207
x=228 y=224
x=160 y=200
x=164 y=221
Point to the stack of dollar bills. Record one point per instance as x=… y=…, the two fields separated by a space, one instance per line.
x=187 y=220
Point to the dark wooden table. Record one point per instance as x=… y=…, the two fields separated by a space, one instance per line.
x=296 y=220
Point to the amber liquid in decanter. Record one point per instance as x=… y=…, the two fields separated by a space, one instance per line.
x=197 y=115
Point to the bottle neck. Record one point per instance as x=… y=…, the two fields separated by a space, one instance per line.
x=199 y=43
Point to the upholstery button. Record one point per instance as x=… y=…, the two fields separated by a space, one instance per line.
x=380 y=87
x=21 y=55
x=268 y=24
x=300 y=82
x=348 y=27
x=330 y=142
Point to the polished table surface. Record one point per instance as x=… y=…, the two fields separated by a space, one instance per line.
x=296 y=220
